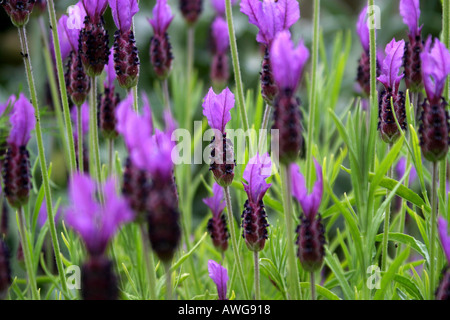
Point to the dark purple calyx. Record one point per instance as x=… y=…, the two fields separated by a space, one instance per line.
x=94 y=46
x=17 y=175
x=135 y=188
x=434 y=130
x=363 y=73
x=18 y=10
x=287 y=119
x=107 y=103
x=77 y=81
x=412 y=63
x=161 y=55
x=191 y=10
x=254 y=225
x=269 y=89
x=217 y=228
x=443 y=291
x=311 y=242
x=222 y=160
x=126 y=59
x=163 y=218
x=5 y=269
x=98 y=281
x=387 y=126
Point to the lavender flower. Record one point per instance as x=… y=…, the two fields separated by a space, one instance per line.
x=363 y=74
x=221 y=40
x=311 y=232
x=410 y=11
x=217 y=225
x=391 y=80
x=191 y=10
x=288 y=63
x=126 y=58
x=18 y=10
x=220 y=277
x=216 y=108
x=108 y=101
x=94 y=39
x=443 y=291
x=271 y=17
x=16 y=166
x=434 y=121
x=160 y=48
x=254 y=217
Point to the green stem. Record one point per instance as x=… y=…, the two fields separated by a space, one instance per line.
x=150 y=265
x=110 y=157
x=169 y=293
x=293 y=277
x=136 y=99
x=93 y=129
x=433 y=221
x=27 y=255
x=42 y=161
x=387 y=217
x=313 y=286
x=257 y=278
x=54 y=89
x=166 y=95
x=62 y=85
x=237 y=257
x=80 y=139
x=263 y=131
x=312 y=96
x=236 y=67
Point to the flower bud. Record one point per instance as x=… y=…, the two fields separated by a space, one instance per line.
x=135 y=188
x=107 y=103
x=191 y=10
x=222 y=160
x=18 y=10
x=77 y=81
x=161 y=55
x=311 y=241
x=254 y=225
x=386 y=122
x=412 y=63
x=126 y=59
x=269 y=89
x=98 y=281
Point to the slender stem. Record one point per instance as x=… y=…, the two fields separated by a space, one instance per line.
x=415 y=101
x=42 y=161
x=236 y=67
x=93 y=129
x=190 y=58
x=62 y=84
x=237 y=257
x=150 y=265
x=27 y=255
x=257 y=278
x=263 y=131
x=169 y=293
x=110 y=156
x=312 y=96
x=54 y=89
x=387 y=217
x=433 y=221
x=80 y=139
x=313 y=286
x=136 y=98
x=166 y=95
x=293 y=278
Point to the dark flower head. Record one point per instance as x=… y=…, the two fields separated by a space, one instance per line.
x=191 y=10
x=18 y=10
x=217 y=225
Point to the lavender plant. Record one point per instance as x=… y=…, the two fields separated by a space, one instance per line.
x=138 y=199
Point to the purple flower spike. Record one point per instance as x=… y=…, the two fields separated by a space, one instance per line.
x=257 y=171
x=216 y=108
x=217 y=225
x=445 y=237
x=162 y=17
x=391 y=65
x=363 y=30
x=270 y=16
x=96 y=223
x=95 y=8
x=310 y=203
x=410 y=11
x=287 y=61
x=220 y=35
x=220 y=277
x=22 y=122
x=123 y=12
x=435 y=68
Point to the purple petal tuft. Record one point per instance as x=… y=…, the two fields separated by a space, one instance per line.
x=217 y=202
x=363 y=30
x=22 y=122
x=162 y=17
x=445 y=237
x=216 y=108
x=220 y=277
x=391 y=65
x=410 y=11
x=123 y=12
x=258 y=169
